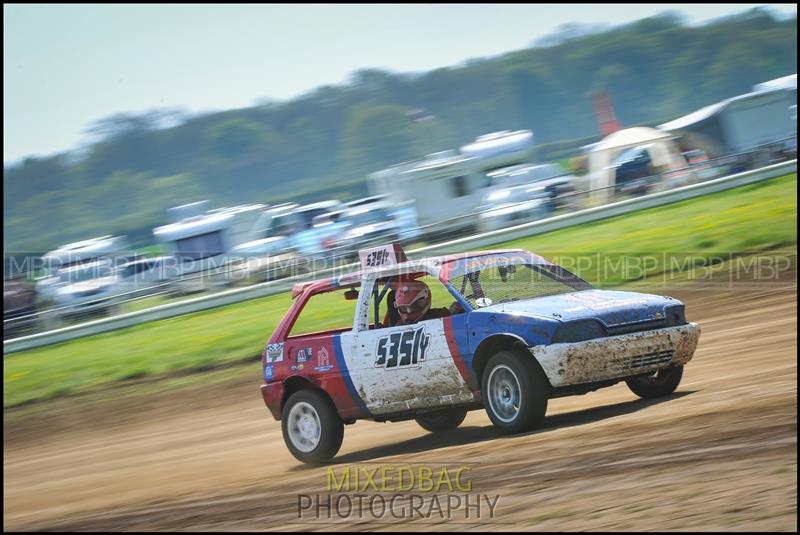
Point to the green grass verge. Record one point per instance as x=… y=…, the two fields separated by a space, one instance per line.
x=744 y=220
x=752 y=218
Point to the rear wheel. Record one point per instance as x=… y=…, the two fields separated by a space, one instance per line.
x=657 y=384
x=441 y=421
x=514 y=392
x=311 y=427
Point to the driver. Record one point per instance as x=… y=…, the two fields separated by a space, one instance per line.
x=413 y=303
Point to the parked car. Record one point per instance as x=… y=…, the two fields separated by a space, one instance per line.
x=144 y=275
x=404 y=214
x=367 y=225
x=511 y=206
x=502 y=330
x=308 y=228
x=517 y=175
x=19 y=307
x=269 y=256
x=700 y=165
x=103 y=249
x=526 y=193
x=558 y=185
x=86 y=289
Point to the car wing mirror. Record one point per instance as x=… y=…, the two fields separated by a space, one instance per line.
x=351 y=294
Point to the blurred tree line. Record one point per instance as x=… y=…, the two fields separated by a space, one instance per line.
x=322 y=144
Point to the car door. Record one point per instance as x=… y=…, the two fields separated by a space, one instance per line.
x=406 y=366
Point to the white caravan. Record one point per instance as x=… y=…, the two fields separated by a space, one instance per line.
x=201 y=240
x=447 y=187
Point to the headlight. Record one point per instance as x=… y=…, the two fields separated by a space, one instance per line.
x=578 y=331
x=675 y=315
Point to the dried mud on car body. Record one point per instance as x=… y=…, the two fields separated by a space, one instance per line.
x=719 y=454
x=583 y=362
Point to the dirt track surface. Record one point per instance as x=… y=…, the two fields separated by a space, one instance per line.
x=719 y=454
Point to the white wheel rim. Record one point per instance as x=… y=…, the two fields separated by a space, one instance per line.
x=504 y=393
x=304 y=427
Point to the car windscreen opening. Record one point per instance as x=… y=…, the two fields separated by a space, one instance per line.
x=515 y=282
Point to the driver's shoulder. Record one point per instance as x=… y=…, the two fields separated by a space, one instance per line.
x=436 y=313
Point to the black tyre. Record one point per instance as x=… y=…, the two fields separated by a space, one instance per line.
x=514 y=391
x=655 y=385
x=312 y=428
x=441 y=421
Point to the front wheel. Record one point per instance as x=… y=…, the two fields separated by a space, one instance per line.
x=658 y=384
x=311 y=427
x=441 y=421
x=514 y=392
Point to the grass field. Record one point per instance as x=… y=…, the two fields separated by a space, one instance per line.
x=745 y=220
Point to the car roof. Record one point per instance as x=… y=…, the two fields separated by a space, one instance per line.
x=366 y=208
x=367 y=200
x=86 y=266
x=525 y=168
x=321 y=204
x=146 y=259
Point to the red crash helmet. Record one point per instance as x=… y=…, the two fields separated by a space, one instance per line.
x=412 y=300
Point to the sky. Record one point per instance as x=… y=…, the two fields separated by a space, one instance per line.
x=65 y=66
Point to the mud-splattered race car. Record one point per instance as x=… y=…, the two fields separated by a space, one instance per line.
x=431 y=339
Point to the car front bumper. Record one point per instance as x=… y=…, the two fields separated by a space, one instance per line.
x=615 y=357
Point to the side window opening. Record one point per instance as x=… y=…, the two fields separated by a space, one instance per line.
x=382 y=313
x=325 y=312
x=460 y=187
